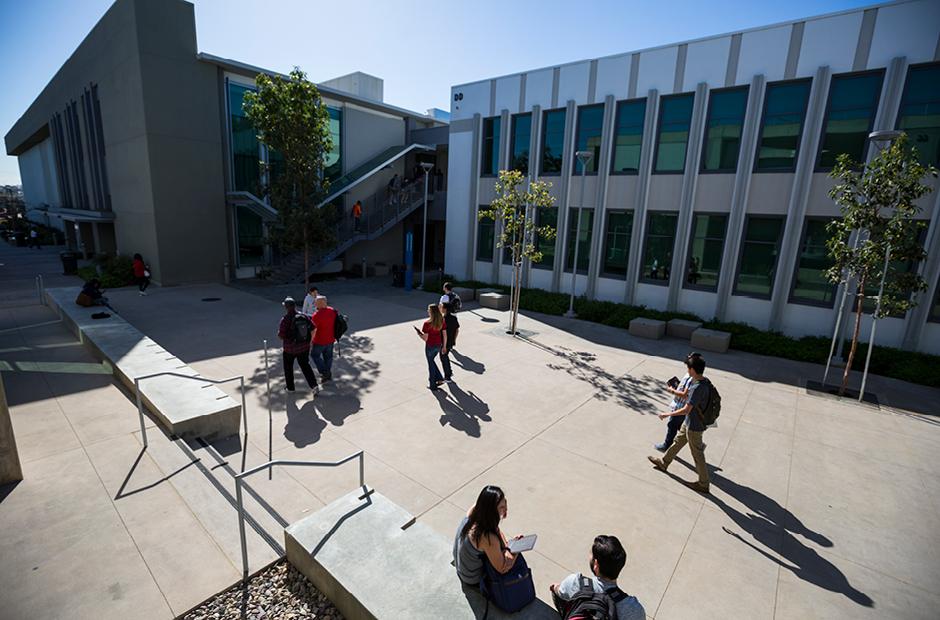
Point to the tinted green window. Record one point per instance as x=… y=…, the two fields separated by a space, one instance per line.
x=333 y=166
x=784 y=112
x=486 y=239
x=853 y=100
x=675 y=115
x=660 y=240
x=547 y=216
x=935 y=308
x=584 y=239
x=617 y=242
x=553 y=141
x=758 y=262
x=250 y=238
x=894 y=267
x=590 y=124
x=490 y=146
x=628 y=136
x=920 y=112
x=723 y=130
x=519 y=149
x=706 y=246
x=246 y=156
x=810 y=283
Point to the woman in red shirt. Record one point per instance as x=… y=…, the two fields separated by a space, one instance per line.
x=434 y=336
x=141 y=274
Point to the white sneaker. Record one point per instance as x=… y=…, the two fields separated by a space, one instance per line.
x=142 y=294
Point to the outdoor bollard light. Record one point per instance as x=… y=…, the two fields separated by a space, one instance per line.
x=424 y=227
x=584 y=157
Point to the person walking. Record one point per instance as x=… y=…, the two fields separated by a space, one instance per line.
x=433 y=334
x=680 y=392
x=451 y=327
x=692 y=428
x=324 y=325
x=357 y=215
x=141 y=274
x=34 y=239
x=294 y=331
x=310 y=301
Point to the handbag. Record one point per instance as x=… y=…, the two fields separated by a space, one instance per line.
x=510 y=591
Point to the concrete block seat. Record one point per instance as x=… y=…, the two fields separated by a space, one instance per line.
x=710 y=340
x=647 y=328
x=496 y=301
x=680 y=328
x=187 y=408
x=356 y=552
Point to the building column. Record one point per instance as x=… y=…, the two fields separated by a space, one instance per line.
x=567 y=167
x=687 y=196
x=600 y=195
x=474 y=194
x=95 y=238
x=642 y=191
x=917 y=317
x=502 y=164
x=534 y=128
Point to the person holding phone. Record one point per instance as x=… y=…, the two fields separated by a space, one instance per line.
x=680 y=392
x=435 y=337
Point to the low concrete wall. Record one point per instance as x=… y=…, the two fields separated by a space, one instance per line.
x=10 y=470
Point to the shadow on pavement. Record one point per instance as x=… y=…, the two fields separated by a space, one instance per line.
x=467 y=363
x=462 y=410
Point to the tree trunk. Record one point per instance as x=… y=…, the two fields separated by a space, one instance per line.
x=855 y=332
x=513 y=303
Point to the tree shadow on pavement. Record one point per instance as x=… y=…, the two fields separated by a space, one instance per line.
x=462 y=410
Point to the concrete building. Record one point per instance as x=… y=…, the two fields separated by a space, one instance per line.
x=139 y=143
x=707 y=190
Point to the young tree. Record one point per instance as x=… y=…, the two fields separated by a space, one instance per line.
x=514 y=212
x=293 y=122
x=877 y=203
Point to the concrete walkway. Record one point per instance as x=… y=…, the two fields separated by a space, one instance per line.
x=819 y=509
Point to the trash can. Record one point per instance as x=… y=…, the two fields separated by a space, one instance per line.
x=69 y=263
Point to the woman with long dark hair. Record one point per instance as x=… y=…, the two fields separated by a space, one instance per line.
x=479 y=537
x=434 y=336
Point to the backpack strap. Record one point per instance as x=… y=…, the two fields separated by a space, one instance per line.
x=616 y=594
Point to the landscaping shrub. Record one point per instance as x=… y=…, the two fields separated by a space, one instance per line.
x=112 y=271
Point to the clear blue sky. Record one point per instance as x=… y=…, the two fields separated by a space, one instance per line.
x=420 y=49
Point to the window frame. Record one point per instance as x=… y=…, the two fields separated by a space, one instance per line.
x=590 y=241
x=542 y=136
x=476 y=254
x=737 y=271
x=602 y=272
x=483 y=138
x=796 y=268
x=817 y=166
x=538 y=224
x=799 y=137
x=613 y=143
x=512 y=142
x=708 y=113
x=646 y=239
x=697 y=287
x=577 y=130
x=657 y=134
x=935 y=64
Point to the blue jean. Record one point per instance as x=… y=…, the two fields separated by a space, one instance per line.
x=672 y=429
x=322 y=355
x=434 y=374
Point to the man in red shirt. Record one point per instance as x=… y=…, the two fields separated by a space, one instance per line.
x=324 y=320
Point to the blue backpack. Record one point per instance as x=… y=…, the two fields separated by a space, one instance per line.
x=510 y=591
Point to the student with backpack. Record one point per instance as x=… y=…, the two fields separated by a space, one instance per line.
x=450 y=297
x=598 y=597
x=701 y=411
x=295 y=330
x=324 y=328
x=680 y=392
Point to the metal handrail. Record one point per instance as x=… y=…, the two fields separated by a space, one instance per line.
x=269 y=465
x=140 y=406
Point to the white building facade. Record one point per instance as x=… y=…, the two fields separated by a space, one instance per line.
x=707 y=190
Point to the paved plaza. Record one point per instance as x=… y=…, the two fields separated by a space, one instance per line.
x=819 y=508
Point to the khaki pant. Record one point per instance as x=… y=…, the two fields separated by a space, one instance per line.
x=694 y=439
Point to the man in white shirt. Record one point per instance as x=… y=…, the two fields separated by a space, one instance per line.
x=310 y=301
x=608 y=558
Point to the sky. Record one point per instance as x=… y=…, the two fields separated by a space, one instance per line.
x=420 y=49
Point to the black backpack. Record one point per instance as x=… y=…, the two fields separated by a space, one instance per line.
x=455 y=302
x=300 y=328
x=590 y=605
x=712 y=409
x=340 y=325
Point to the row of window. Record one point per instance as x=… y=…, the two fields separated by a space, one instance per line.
x=852 y=104
x=756 y=265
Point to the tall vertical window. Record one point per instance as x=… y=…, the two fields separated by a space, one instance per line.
x=590 y=126
x=895 y=267
x=490 y=165
x=546 y=216
x=660 y=240
x=519 y=149
x=333 y=166
x=920 y=111
x=617 y=243
x=675 y=116
x=246 y=154
x=758 y=263
x=853 y=100
x=486 y=239
x=723 y=129
x=705 y=248
x=584 y=238
x=784 y=114
x=810 y=285
x=935 y=307
x=250 y=237
x=553 y=141
x=628 y=136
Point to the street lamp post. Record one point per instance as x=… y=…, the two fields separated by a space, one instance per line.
x=584 y=157
x=424 y=228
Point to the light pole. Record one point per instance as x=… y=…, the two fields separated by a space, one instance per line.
x=424 y=228
x=584 y=157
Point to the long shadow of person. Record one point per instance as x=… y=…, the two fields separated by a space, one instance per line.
x=304 y=426
x=468 y=364
x=336 y=404
x=462 y=411
x=774 y=527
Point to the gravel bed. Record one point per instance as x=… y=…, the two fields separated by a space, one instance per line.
x=280 y=592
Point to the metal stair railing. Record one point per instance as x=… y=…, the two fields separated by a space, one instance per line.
x=362 y=172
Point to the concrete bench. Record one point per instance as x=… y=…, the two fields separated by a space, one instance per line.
x=680 y=328
x=357 y=554
x=465 y=294
x=496 y=301
x=647 y=328
x=187 y=408
x=483 y=291
x=710 y=340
